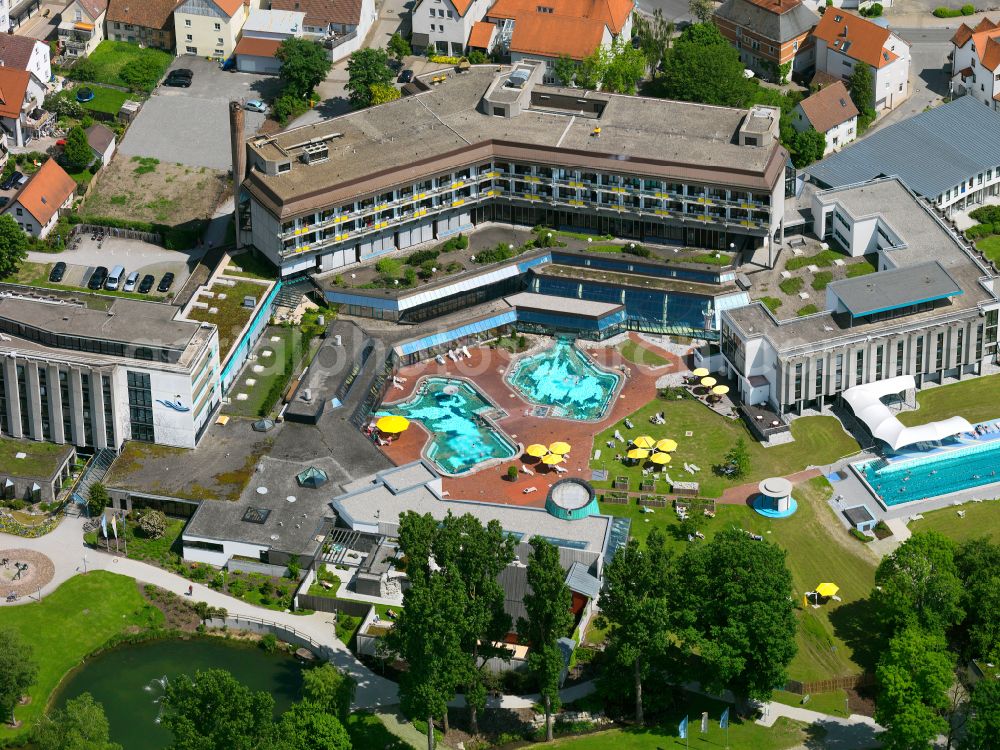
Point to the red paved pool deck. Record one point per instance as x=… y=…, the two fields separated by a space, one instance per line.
x=486 y=370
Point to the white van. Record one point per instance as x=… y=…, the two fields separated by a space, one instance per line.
x=115 y=278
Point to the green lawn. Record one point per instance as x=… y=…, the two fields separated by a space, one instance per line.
x=771 y=303
x=981 y=519
x=42 y=459
x=824 y=258
x=274 y=371
x=976 y=399
x=71 y=623
x=990 y=247
x=833 y=703
x=818 y=440
x=861 y=268
x=252 y=266
x=231 y=316
x=105 y=100
x=164 y=551
x=640 y=355
x=809 y=309
x=369 y=733
x=37 y=274
x=110 y=57
x=791 y=286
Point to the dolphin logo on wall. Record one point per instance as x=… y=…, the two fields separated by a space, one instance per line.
x=176 y=405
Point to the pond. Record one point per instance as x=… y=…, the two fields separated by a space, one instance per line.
x=129 y=681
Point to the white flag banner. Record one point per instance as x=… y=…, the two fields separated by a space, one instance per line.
x=114 y=526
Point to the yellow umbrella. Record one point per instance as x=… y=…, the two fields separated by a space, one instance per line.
x=560 y=448
x=638 y=453
x=720 y=390
x=700 y=372
x=552 y=459
x=644 y=441
x=708 y=382
x=660 y=458
x=537 y=450
x=827 y=589
x=392 y=424
x=666 y=445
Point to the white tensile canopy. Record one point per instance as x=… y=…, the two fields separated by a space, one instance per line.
x=865 y=401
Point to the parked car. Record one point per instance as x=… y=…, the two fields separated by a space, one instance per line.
x=165 y=283
x=11 y=181
x=146 y=284
x=97 y=278
x=181 y=77
x=115 y=278
x=58 y=271
x=255 y=105
x=131 y=282
x=406 y=76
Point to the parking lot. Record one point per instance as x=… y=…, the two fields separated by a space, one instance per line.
x=190 y=126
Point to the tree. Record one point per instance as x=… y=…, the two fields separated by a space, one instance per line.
x=654 y=35
x=703 y=67
x=287 y=107
x=76 y=152
x=366 y=68
x=328 y=687
x=919 y=584
x=398 y=47
x=213 y=711
x=304 y=64
x=565 y=70
x=81 y=725
x=634 y=600
x=141 y=73
x=152 y=523
x=97 y=499
x=978 y=564
x=624 y=66
x=590 y=70
x=383 y=92
x=703 y=10
x=807 y=146
x=862 y=88
x=17 y=670
x=733 y=615
x=913 y=678
x=547 y=605
x=739 y=458
x=984 y=720
x=308 y=726
x=13 y=246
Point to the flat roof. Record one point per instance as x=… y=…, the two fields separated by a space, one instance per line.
x=859 y=514
x=896 y=288
x=416 y=135
x=922 y=150
x=562 y=305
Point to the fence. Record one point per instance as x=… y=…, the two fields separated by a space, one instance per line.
x=285 y=632
x=852 y=682
x=153 y=238
x=329 y=604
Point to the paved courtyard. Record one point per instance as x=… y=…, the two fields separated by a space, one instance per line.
x=191 y=126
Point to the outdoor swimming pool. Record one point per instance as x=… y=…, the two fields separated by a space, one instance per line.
x=452 y=411
x=940 y=473
x=563 y=379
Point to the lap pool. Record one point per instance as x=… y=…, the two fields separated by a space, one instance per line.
x=565 y=380
x=452 y=411
x=969 y=464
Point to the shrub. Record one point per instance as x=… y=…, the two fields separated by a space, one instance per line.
x=986 y=214
x=477 y=57
x=458 y=242
x=512 y=473
x=288 y=107
x=389 y=268
x=638 y=250
x=410 y=275
x=237 y=588
x=944 y=12
x=968 y=9
x=152 y=523
x=294 y=567
x=980 y=230
x=872 y=11
x=497 y=254
x=860 y=536
x=269 y=642
x=97 y=499
x=422 y=256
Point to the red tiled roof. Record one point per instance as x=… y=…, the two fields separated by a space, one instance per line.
x=251 y=45
x=964 y=32
x=481 y=35
x=552 y=36
x=16 y=51
x=94 y=7
x=854 y=36
x=149 y=14
x=47 y=189
x=987 y=43
x=829 y=107
x=462 y=6
x=229 y=7
x=614 y=13
x=323 y=12
x=13 y=87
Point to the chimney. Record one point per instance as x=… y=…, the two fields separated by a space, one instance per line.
x=239 y=157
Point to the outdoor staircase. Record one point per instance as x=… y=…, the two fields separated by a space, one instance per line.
x=290 y=295
x=95 y=472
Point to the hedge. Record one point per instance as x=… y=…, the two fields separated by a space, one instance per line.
x=980 y=230
x=945 y=12
x=986 y=214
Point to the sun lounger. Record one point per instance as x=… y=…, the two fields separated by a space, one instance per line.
x=597 y=454
x=397 y=385
x=527 y=471
x=560 y=469
x=618 y=436
x=440 y=359
x=529 y=490
x=451 y=355
x=465 y=351
x=696 y=468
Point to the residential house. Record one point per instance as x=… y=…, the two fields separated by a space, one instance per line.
x=341 y=25
x=445 y=25
x=263 y=33
x=829 y=111
x=209 y=28
x=31 y=55
x=574 y=28
x=146 y=22
x=975 y=62
x=82 y=26
x=17 y=106
x=844 y=40
x=769 y=35
x=36 y=207
x=102 y=142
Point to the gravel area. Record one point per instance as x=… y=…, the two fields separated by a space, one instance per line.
x=40 y=571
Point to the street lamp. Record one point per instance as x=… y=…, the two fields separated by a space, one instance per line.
x=84 y=564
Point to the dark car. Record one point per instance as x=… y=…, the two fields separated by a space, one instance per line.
x=11 y=181
x=406 y=76
x=180 y=77
x=97 y=278
x=165 y=283
x=58 y=271
x=146 y=284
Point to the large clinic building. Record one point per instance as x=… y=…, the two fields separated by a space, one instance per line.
x=470 y=147
x=101 y=371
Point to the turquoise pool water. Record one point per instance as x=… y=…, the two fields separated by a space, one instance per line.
x=565 y=380
x=938 y=474
x=451 y=410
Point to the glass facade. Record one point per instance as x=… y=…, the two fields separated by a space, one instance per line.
x=84 y=344
x=140 y=406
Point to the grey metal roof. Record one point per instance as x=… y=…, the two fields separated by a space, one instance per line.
x=582 y=582
x=889 y=290
x=778 y=26
x=931 y=152
x=859 y=514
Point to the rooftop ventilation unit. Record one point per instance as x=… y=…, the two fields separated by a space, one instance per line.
x=315 y=152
